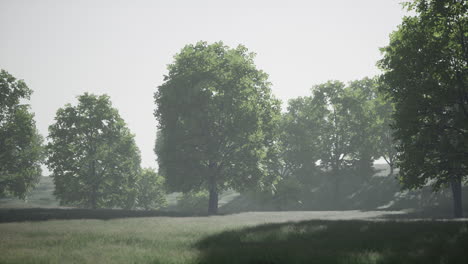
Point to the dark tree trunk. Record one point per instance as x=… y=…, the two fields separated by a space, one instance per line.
x=94 y=187
x=213 y=198
x=93 y=202
x=213 y=202
x=391 y=169
x=337 y=193
x=455 y=183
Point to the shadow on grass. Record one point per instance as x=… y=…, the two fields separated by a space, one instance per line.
x=43 y=214
x=321 y=241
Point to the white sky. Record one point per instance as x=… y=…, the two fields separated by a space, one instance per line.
x=63 y=48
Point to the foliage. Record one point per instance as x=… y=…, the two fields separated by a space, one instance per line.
x=426 y=72
x=21 y=151
x=430 y=92
x=217 y=120
x=299 y=140
x=92 y=155
x=150 y=190
x=332 y=132
x=347 y=136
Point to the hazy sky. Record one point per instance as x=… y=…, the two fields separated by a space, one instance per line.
x=64 y=48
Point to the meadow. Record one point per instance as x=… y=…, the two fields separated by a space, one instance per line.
x=38 y=230
x=267 y=237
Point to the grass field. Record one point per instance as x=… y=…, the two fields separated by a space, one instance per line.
x=276 y=237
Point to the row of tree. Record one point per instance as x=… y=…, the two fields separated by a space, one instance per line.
x=221 y=128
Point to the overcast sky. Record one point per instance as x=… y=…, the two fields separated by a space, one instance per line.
x=63 y=48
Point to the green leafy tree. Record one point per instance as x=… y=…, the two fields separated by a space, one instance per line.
x=299 y=139
x=150 y=190
x=299 y=150
x=332 y=132
x=92 y=155
x=218 y=121
x=365 y=127
x=345 y=130
x=21 y=151
x=426 y=72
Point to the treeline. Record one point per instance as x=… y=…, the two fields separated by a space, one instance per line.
x=220 y=127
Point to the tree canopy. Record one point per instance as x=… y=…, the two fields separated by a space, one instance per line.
x=217 y=120
x=426 y=72
x=92 y=155
x=21 y=151
x=150 y=190
x=333 y=132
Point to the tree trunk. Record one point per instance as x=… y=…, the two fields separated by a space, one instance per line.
x=455 y=183
x=213 y=202
x=93 y=201
x=337 y=193
x=213 y=198
x=336 y=187
x=391 y=169
x=94 y=187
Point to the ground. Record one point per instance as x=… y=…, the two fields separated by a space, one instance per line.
x=267 y=237
x=54 y=234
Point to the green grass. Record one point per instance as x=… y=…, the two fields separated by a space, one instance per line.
x=241 y=238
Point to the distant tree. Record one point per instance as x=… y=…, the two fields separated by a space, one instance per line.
x=150 y=190
x=21 y=151
x=332 y=132
x=426 y=72
x=365 y=125
x=345 y=130
x=297 y=155
x=217 y=120
x=92 y=155
x=299 y=139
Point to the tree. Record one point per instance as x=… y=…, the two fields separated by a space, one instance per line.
x=21 y=151
x=150 y=190
x=217 y=121
x=92 y=155
x=299 y=139
x=363 y=95
x=425 y=69
x=346 y=135
x=332 y=130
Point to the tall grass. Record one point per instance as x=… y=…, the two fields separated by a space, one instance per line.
x=242 y=238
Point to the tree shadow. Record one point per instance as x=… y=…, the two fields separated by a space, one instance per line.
x=324 y=241
x=44 y=214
